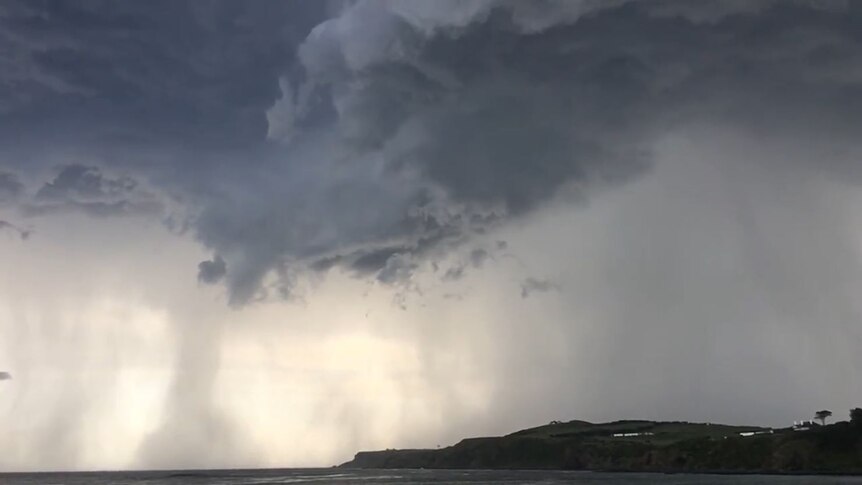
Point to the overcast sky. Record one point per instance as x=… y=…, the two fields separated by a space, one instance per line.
x=274 y=233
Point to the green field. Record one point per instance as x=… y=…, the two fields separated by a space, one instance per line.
x=662 y=432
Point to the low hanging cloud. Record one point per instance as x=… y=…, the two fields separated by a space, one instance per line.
x=81 y=188
x=533 y=285
x=79 y=181
x=212 y=271
x=384 y=137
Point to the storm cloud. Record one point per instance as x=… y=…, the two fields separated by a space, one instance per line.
x=283 y=139
x=211 y=271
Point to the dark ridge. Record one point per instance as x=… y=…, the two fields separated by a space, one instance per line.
x=645 y=446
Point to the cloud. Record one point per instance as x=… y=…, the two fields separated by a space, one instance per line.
x=79 y=181
x=491 y=108
x=376 y=260
x=79 y=188
x=63 y=62
x=532 y=285
x=5 y=376
x=212 y=271
x=476 y=259
x=454 y=273
x=392 y=134
x=23 y=233
x=10 y=187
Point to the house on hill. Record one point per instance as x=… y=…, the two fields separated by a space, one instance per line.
x=804 y=425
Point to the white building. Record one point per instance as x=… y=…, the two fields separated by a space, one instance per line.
x=804 y=425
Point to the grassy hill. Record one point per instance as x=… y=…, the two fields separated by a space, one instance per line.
x=657 y=446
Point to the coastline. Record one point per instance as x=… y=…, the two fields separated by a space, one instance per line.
x=643 y=447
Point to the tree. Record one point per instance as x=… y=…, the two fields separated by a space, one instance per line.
x=822 y=415
x=856 y=416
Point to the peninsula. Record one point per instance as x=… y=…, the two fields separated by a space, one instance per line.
x=647 y=446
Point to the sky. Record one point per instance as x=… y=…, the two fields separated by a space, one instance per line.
x=275 y=232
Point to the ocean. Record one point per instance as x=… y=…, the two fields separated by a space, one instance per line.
x=371 y=477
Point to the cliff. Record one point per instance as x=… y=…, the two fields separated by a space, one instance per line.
x=643 y=446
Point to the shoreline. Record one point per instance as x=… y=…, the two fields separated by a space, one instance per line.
x=632 y=446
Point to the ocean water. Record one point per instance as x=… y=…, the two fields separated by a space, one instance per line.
x=371 y=477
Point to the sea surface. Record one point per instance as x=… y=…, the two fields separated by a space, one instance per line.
x=370 y=477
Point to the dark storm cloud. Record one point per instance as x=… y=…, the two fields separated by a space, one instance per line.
x=398 y=130
x=325 y=264
x=399 y=268
x=494 y=108
x=95 y=209
x=85 y=189
x=178 y=70
x=79 y=181
x=374 y=261
x=211 y=271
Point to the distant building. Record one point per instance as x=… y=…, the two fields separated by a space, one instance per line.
x=804 y=425
x=628 y=435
